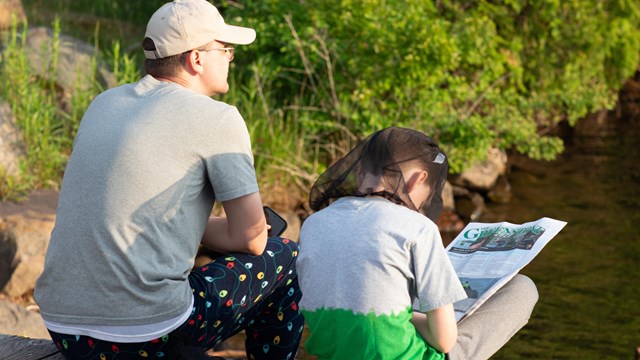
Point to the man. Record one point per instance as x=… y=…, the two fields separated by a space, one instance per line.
x=149 y=160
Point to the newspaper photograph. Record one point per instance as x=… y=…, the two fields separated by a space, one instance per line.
x=487 y=255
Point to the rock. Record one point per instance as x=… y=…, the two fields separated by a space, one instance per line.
x=30 y=222
x=629 y=98
x=469 y=204
x=8 y=258
x=448 y=203
x=16 y=320
x=11 y=146
x=10 y=9
x=501 y=192
x=74 y=65
x=24 y=276
x=483 y=176
x=293 y=225
x=594 y=124
x=450 y=222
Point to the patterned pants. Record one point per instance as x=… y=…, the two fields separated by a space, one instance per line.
x=235 y=292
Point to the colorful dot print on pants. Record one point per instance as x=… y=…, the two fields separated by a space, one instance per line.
x=235 y=292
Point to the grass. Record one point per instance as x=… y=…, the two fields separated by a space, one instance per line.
x=116 y=20
x=47 y=114
x=32 y=101
x=286 y=159
x=586 y=278
x=285 y=166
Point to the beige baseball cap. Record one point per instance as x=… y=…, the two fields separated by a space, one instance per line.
x=184 y=25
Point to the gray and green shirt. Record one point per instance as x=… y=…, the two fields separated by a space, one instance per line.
x=362 y=263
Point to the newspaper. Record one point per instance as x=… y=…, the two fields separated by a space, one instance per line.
x=487 y=255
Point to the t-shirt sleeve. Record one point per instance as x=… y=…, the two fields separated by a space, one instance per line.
x=435 y=279
x=230 y=165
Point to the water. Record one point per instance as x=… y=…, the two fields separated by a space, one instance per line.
x=587 y=276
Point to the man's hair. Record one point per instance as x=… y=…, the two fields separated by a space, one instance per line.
x=166 y=67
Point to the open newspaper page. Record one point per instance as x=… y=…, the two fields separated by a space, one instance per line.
x=487 y=255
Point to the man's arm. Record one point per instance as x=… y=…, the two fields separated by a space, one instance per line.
x=244 y=229
x=438 y=327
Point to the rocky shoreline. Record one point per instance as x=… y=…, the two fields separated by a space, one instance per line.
x=25 y=227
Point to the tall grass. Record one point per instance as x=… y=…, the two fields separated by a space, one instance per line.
x=36 y=100
x=119 y=20
x=286 y=160
x=286 y=154
x=33 y=103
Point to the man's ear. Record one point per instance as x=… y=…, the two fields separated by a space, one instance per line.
x=194 y=62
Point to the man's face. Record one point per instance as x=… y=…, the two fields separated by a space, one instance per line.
x=216 y=71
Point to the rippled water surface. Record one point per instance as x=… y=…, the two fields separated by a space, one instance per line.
x=589 y=275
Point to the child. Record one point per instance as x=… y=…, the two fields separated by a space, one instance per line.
x=372 y=249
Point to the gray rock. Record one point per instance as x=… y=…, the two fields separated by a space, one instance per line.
x=24 y=276
x=74 y=65
x=30 y=222
x=629 y=104
x=501 y=193
x=8 y=258
x=448 y=203
x=470 y=205
x=483 y=175
x=11 y=145
x=16 y=320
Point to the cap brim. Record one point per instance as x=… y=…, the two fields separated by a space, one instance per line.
x=237 y=35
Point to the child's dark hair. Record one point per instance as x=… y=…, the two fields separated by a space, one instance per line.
x=382 y=154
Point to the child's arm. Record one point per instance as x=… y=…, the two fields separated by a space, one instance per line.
x=438 y=327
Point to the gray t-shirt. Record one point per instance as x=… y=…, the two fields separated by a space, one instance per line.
x=376 y=256
x=148 y=162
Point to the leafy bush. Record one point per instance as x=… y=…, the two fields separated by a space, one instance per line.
x=322 y=74
x=474 y=74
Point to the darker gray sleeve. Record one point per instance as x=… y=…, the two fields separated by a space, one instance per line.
x=435 y=279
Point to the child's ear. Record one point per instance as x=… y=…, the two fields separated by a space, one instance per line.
x=418 y=177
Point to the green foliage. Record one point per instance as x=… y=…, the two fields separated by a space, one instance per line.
x=284 y=162
x=35 y=98
x=118 y=20
x=321 y=74
x=33 y=102
x=475 y=74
